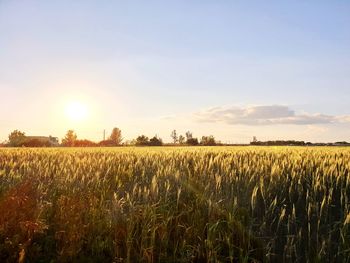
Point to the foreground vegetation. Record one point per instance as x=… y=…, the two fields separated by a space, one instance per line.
x=227 y=204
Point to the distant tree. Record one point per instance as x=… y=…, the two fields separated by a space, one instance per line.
x=84 y=143
x=255 y=139
x=208 y=140
x=155 y=141
x=116 y=136
x=342 y=143
x=106 y=143
x=281 y=143
x=131 y=142
x=53 y=140
x=219 y=143
x=192 y=141
x=173 y=135
x=142 y=140
x=188 y=135
x=70 y=139
x=181 y=139
x=16 y=138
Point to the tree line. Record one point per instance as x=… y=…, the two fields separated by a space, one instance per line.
x=19 y=139
x=296 y=143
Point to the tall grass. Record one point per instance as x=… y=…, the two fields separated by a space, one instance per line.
x=227 y=204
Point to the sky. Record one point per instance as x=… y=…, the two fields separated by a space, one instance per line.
x=232 y=69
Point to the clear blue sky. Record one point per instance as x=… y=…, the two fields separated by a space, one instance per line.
x=153 y=66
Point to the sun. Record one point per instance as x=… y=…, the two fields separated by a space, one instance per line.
x=76 y=111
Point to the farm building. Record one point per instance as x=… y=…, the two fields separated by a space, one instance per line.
x=41 y=141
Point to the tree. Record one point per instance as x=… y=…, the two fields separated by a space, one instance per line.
x=116 y=136
x=106 y=143
x=130 y=142
x=142 y=140
x=16 y=138
x=155 y=141
x=192 y=141
x=208 y=140
x=188 y=135
x=53 y=140
x=173 y=135
x=181 y=139
x=70 y=139
x=84 y=143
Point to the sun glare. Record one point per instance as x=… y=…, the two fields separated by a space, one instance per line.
x=76 y=111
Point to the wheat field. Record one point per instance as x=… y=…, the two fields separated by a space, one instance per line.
x=175 y=204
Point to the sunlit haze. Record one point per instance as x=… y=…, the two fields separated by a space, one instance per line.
x=232 y=69
x=76 y=111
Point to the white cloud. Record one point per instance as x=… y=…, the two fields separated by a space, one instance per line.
x=265 y=115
